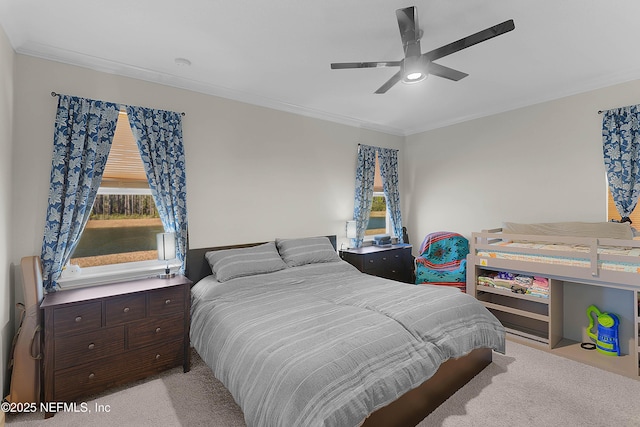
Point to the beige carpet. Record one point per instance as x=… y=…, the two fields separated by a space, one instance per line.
x=527 y=387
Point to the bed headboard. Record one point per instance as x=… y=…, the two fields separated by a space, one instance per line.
x=198 y=267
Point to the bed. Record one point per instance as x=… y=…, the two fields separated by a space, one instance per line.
x=599 y=253
x=540 y=279
x=301 y=338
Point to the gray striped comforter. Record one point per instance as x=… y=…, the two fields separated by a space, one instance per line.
x=325 y=345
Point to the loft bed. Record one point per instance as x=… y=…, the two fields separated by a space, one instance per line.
x=332 y=285
x=531 y=277
x=591 y=253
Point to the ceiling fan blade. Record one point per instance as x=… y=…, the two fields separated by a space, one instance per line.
x=408 y=24
x=446 y=72
x=380 y=64
x=389 y=83
x=471 y=40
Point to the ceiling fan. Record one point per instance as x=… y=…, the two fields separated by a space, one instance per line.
x=416 y=66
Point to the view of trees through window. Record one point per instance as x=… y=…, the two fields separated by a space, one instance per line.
x=378 y=218
x=123 y=206
x=121 y=228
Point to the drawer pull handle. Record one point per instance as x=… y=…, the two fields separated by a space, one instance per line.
x=92 y=346
x=157 y=357
x=167 y=302
x=371 y=261
x=384 y=258
x=157 y=330
x=92 y=376
x=126 y=309
x=78 y=319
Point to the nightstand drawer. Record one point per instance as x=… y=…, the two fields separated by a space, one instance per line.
x=156 y=329
x=125 y=309
x=397 y=275
x=390 y=260
x=78 y=318
x=92 y=377
x=83 y=348
x=170 y=300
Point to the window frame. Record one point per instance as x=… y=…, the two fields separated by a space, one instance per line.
x=101 y=274
x=387 y=220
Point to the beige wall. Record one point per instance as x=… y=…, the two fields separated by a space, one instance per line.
x=541 y=163
x=6 y=137
x=253 y=173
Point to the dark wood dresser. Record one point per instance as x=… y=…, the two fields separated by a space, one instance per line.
x=391 y=262
x=107 y=335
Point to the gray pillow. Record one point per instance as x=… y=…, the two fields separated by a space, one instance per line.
x=308 y=250
x=231 y=263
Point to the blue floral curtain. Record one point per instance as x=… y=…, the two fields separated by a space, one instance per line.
x=83 y=133
x=365 y=174
x=621 y=147
x=388 y=161
x=158 y=134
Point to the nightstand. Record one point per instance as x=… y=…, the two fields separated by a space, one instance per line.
x=393 y=262
x=108 y=335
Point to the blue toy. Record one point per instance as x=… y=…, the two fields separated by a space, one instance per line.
x=607 y=341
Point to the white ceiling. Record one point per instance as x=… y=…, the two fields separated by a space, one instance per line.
x=277 y=53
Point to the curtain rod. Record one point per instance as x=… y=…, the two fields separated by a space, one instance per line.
x=378 y=147
x=615 y=108
x=54 y=94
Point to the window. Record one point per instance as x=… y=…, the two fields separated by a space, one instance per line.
x=379 y=218
x=612 y=212
x=124 y=220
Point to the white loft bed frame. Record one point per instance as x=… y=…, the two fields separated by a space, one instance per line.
x=593 y=274
x=540 y=322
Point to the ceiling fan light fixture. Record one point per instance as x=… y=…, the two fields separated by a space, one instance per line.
x=414 y=77
x=413 y=70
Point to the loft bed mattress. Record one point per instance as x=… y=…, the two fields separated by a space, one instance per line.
x=631 y=266
x=611 y=260
x=325 y=345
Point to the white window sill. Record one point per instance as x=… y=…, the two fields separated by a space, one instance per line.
x=92 y=276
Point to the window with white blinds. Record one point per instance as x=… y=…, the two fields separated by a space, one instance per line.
x=124 y=220
x=124 y=171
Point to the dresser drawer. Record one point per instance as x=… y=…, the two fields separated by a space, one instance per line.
x=156 y=329
x=383 y=261
x=125 y=309
x=89 y=378
x=77 y=318
x=83 y=348
x=170 y=300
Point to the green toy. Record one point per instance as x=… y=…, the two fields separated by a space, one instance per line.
x=607 y=341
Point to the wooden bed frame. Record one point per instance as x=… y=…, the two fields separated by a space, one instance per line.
x=413 y=406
